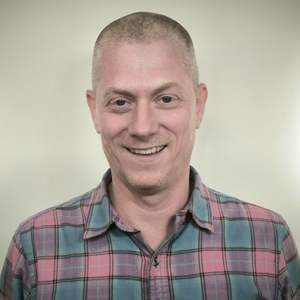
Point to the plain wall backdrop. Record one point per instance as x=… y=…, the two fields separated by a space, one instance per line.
x=247 y=146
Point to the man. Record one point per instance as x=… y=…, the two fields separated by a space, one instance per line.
x=151 y=229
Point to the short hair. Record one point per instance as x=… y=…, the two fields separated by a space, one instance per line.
x=145 y=27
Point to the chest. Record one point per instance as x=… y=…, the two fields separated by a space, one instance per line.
x=189 y=264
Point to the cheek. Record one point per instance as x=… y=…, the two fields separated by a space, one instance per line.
x=111 y=128
x=184 y=124
x=107 y=132
x=186 y=131
x=108 y=125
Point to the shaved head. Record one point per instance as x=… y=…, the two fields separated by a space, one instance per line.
x=144 y=28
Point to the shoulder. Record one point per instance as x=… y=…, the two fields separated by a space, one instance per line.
x=235 y=208
x=39 y=234
x=231 y=208
x=61 y=213
x=242 y=217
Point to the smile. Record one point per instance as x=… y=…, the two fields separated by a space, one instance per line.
x=146 y=151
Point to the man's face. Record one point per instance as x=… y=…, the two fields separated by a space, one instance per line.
x=147 y=112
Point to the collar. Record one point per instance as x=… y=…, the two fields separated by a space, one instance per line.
x=101 y=214
x=199 y=204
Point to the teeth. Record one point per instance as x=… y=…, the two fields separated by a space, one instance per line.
x=146 y=151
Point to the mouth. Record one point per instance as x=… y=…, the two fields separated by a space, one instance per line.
x=149 y=151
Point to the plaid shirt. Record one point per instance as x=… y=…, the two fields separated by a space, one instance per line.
x=221 y=248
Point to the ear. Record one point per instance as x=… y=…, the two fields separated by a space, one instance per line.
x=91 y=101
x=200 y=103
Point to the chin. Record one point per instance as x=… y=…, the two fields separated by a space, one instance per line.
x=145 y=184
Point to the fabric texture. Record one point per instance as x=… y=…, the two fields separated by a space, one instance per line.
x=221 y=248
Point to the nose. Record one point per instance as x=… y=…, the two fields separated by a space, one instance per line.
x=143 y=120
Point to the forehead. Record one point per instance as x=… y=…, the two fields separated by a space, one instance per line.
x=141 y=63
x=131 y=51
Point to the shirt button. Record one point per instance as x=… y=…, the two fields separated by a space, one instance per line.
x=155 y=261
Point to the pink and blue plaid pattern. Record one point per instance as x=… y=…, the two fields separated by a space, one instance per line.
x=221 y=248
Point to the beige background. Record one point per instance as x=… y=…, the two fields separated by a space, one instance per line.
x=248 y=145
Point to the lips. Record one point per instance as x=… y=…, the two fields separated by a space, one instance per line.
x=146 y=151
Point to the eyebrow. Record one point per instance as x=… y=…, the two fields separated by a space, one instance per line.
x=158 y=90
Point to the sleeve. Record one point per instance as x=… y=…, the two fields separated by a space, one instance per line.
x=289 y=270
x=15 y=280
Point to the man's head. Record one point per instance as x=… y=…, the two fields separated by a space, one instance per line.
x=144 y=28
x=146 y=104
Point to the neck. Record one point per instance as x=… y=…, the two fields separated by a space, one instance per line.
x=153 y=214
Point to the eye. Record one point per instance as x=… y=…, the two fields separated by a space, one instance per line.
x=166 y=99
x=120 y=102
